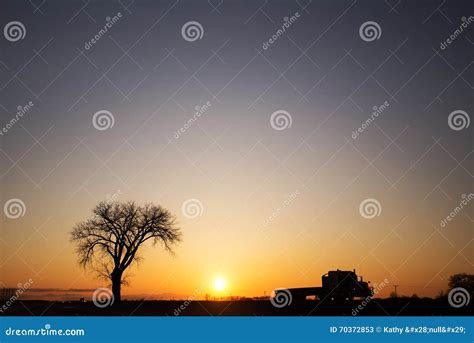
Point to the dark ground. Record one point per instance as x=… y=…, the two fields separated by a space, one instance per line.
x=376 y=307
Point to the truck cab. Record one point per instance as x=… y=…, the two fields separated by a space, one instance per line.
x=340 y=284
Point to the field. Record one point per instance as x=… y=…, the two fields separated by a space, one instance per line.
x=376 y=307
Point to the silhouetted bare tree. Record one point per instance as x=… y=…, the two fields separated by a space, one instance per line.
x=109 y=241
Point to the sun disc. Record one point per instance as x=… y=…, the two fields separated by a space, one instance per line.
x=219 y=284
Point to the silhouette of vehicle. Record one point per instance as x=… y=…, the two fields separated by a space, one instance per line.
x=336 y=285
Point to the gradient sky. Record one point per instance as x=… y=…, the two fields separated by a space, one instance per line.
x=231 y=159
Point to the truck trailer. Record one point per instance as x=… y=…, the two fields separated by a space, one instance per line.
x=336 y=285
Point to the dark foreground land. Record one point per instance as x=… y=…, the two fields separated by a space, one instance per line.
x=376 y=307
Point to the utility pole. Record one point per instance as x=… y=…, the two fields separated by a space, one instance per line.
x=396 y=294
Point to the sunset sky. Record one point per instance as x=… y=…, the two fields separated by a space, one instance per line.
x=279 y=207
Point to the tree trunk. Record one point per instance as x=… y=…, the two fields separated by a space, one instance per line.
x=116 y=278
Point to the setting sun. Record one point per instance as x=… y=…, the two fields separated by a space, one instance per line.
x=219 y=284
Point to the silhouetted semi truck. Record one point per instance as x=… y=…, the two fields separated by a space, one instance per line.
x=336 y=284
